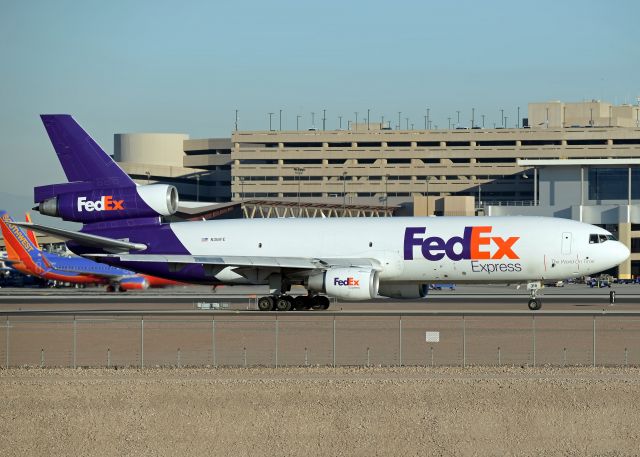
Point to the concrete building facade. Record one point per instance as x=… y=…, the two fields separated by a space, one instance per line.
x=200 y=169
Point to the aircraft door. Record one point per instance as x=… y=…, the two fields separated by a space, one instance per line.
x=566 y=243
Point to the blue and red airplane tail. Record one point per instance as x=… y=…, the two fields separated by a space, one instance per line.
x=20 y=248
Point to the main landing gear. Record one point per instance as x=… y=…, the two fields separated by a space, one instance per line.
x=534 y=302
x=288 y=303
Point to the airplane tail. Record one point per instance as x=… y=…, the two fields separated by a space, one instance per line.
x=98 y=189
x=19 y=246
x=82 y=159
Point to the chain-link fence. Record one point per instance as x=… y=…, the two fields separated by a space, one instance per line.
x=320 y=338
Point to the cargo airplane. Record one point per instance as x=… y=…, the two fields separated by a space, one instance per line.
x=25 y=255
x=349 y=258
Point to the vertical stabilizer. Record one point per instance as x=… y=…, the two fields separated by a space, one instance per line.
x=82 y=159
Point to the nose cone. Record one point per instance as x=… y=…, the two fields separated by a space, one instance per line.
x=619 y=253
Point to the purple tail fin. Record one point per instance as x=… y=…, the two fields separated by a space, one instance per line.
x=80 y=156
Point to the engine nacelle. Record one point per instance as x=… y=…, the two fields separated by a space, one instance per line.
x=346 y=283
x=111 y=204
x=133 y=283
x=403 y=290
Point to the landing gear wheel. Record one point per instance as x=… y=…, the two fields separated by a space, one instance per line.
x=535 y=304
x=283 y=303
x=300 y=302
x=320 y=302
x=110 y=288
x=265 y=303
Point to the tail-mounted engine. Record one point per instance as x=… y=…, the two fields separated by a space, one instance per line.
x=346 y=283
x=95 y=205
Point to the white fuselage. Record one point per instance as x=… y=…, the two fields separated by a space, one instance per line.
x=457 y=249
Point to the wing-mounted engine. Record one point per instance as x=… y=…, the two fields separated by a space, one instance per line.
x=133 y=283
x=403 y=290
x=72 y=203
x=346 y=283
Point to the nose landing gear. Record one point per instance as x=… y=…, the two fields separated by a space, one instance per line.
x=534 y=302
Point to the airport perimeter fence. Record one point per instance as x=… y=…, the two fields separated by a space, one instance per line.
x=218 y=339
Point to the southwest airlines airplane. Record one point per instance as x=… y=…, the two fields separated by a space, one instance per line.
x=24 y=254
x=350 y=258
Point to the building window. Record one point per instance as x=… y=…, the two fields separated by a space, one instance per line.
x=611 y=183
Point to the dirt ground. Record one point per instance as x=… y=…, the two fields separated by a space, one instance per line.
x=320 y=411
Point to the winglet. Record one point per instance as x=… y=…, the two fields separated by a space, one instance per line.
x=30 y=234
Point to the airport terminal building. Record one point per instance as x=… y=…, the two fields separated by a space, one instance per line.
x=573 y=160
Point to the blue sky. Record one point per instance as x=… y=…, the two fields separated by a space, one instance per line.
x=160 y=66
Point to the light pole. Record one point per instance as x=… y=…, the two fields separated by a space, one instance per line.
x=502 y=117
x=407 y=121
x=280 y=124
x=324 y=118
x=473 y=117
x=270 y=116
x=425 y=122
x=449 y=119
x=458 y=123
x=236 y=120
x=356 y=126
x=518 y=119
x=399 y=121
x=340 y=122
x=428 y=120
x=299 y=171
x=368 y=114
x=298 y=122
x=505 y=121
x=483 y=121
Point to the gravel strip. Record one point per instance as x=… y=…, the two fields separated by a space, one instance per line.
x=320 y=411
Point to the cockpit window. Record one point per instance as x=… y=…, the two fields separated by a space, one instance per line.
x=596 y=238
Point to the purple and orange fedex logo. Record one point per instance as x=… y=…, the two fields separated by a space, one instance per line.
x=106 y=203
x=476 y=243
x=349 y=282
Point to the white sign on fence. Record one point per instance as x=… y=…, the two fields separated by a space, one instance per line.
x=432 y=337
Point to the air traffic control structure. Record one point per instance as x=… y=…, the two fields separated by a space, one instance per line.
x=372 y=170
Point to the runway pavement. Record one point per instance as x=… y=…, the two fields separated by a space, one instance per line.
x=473 y=298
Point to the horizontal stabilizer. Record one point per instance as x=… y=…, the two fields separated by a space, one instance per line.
x=8 y=262
x=84 y=239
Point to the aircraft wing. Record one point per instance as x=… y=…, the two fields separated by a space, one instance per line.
x=296 y=263
x=84 y=239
